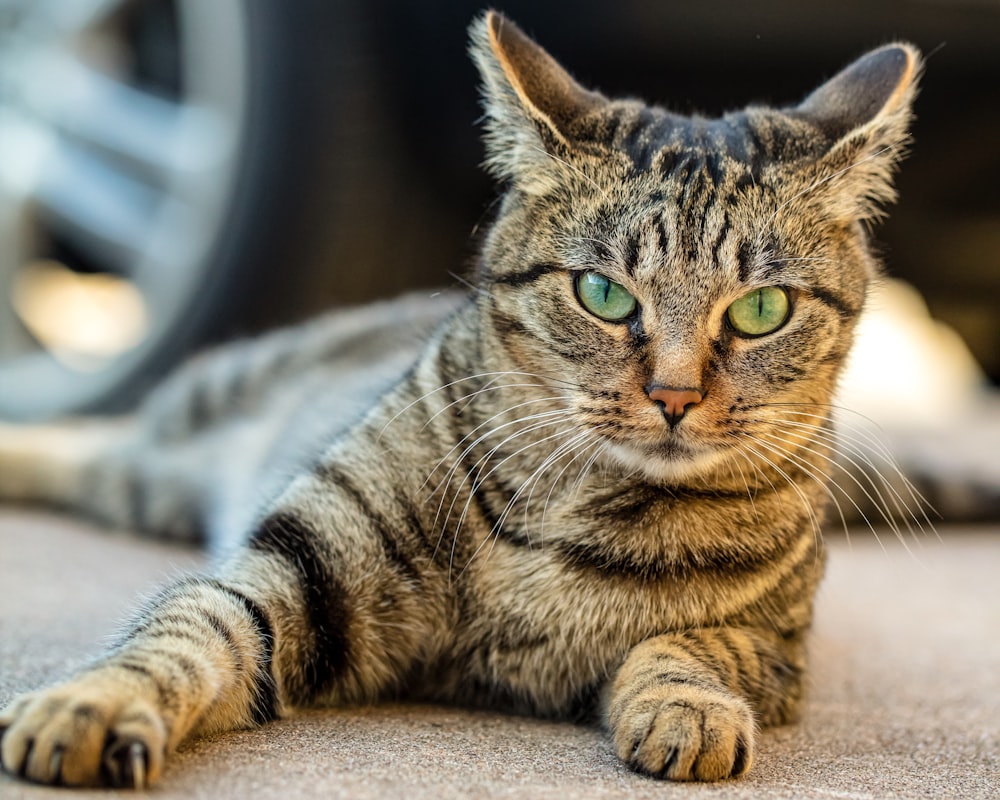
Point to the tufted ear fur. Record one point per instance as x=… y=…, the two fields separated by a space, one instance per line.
x=530 y=101
x=865 y=111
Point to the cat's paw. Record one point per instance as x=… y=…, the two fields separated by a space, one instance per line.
x=91 y=731
x=685 y=733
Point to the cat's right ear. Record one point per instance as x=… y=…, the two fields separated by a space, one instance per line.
x=530 y=102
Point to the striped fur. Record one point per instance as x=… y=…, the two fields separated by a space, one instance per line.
x=515 y=522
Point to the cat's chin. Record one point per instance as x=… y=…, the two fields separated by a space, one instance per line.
x=666 y=463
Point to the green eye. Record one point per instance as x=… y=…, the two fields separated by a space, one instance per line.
x=604 y=298
x=759 y=312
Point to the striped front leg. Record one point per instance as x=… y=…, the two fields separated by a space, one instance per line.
x=199 y=658
x=685 y=706
x=305 y=614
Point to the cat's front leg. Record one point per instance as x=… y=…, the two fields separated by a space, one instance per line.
x=199 y=657
x=686 y=706
x=304 y=615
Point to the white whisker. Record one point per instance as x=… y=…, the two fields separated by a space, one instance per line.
x=494 y=533
x=826 y=179
x=478 y=376
x=806 y=504
x=480 y=464
x=480 y=477
x=879 y=504
x=851 y=450
x=861 y=442
x=489 y=433
x=746 y=483
x=594 y=442
x=575 y=170
x=822 y=480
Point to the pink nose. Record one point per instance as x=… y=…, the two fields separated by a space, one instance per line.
x=674 y=402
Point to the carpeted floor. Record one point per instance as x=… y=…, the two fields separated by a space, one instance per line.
x=905 y=697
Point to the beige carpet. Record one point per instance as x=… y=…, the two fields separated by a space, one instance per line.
x=905 y=698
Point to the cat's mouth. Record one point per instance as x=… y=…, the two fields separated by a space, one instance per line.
x=667 y=459
x=671 y=448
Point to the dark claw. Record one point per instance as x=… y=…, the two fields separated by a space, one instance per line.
x=125 y=764
x=22 y=770
x=55 y=766
x=740 y=760
x=669 y=762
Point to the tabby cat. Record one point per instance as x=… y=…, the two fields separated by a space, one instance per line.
x=596 y=492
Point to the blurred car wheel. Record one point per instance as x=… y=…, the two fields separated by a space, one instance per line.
x=147 y=161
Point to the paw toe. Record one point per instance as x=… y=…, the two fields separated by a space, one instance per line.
x=72 y=739
x=684 y=739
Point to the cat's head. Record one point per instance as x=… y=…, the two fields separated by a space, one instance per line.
x=688 y=283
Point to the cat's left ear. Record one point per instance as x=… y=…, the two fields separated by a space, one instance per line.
x=865 y=111
x=531 y=103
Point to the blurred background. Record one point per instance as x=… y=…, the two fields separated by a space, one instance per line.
x=176 y=172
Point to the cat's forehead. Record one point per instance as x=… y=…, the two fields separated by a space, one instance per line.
x=671 y=146
x=670 y=189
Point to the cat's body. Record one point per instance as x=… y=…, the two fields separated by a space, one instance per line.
x=578 y=500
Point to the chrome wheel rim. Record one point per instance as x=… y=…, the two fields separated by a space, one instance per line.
x=135 y=181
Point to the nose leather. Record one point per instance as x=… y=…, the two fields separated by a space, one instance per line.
x=674 y=402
